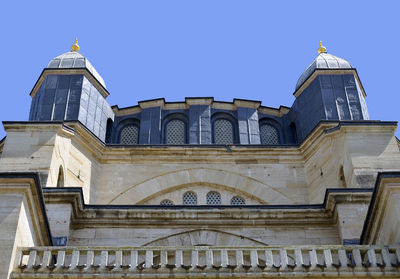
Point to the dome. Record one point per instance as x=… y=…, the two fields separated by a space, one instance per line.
x=74 y=59
x=323 y=61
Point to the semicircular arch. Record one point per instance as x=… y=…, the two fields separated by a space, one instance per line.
x=174 y=179
x=202 y=237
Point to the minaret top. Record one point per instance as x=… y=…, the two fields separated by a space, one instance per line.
x=75 y=46
x=321 y=48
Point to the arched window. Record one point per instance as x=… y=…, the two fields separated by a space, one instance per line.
x=269 y=134
x=60 y=179
x=238 y=201
x=189 y=198
x=213 y=198
x=129 y=134
x=175 y=132
x=166 y=202
x=223 y=131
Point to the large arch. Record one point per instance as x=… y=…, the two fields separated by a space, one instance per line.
x=203 y=237
x=174 y=179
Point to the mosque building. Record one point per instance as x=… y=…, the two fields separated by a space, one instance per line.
x=199 y=188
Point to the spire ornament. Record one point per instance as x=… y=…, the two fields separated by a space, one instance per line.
x=321 y=48
x=75 y=46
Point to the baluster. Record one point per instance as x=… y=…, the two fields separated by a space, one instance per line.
x=178 y=258
x=195 y=258
x=118 y=260
x=149 y=259
x=134 y=260
x=371 y=258
x=74 y=259
x=60 y=259
x=298 y=259
x=209 y=259
x=239 y=259
x=224 y=258
x=269 y=259
x=18 y=262
x=357 y=257
x=313 y=258
x=32 y=259
x=90 y=259
x=397 y=256
x=103 y=259
x=386 y=257
x=283 y=259
x=342 y=258
x=253 y=258
x=328 y=258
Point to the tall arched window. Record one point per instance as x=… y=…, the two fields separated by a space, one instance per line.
x=189 y=198
x=269 y=134
x=129 y=134
x=213 y=198
x=175 y=132
x=223 y=131
x=60 y=179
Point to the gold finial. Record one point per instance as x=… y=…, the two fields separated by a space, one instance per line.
x=75 y=46
x=321 y=48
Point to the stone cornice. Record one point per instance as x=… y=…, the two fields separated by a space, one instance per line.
x=84 y=215
x=203 y=153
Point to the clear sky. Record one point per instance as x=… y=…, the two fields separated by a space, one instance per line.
x=225 y=49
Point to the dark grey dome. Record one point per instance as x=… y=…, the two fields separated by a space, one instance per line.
x=74 y=59
x=323 y=61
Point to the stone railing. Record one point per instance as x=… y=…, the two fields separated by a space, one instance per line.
x=201 y=261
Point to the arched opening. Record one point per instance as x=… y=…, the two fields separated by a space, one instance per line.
x=224 y=128
x=109 y=130
x=294 y=132
x=60 y=179
x=342 y=179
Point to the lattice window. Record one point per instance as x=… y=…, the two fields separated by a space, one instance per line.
x=166 y=202
x=269 y=134
x=238 y=201
x=223 y=131
x=129 y=135
x=189 y=198
x=213 y=198
x=175 y=132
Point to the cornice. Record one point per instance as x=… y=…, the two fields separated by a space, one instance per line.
x=84 y=215
x=68 y=71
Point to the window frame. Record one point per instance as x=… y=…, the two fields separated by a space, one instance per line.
x=174 y=116
x=225 y=116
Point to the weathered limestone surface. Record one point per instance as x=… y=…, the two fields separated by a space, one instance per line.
x=21 y=220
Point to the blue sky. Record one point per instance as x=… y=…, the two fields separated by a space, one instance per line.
x=226 y=49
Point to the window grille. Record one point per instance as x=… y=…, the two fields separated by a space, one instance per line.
x=175 y=132
x=269 y=134
x=238 y=201
x=129 y=135
x=213 y=198
x=189 y=198
x=166 y=202
x=223 y=131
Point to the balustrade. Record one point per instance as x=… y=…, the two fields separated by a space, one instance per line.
x=167 y=260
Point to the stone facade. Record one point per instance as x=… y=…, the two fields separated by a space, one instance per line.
x=199 y=188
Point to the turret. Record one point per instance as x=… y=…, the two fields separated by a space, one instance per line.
x=329 y=89
x=70 y=88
